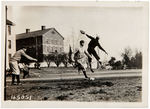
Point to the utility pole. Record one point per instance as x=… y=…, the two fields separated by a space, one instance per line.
x=36 y=47
x=5 y=52
x=73 y=39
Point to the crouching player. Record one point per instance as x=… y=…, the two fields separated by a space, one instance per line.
x=24 y=68
x=14 y=64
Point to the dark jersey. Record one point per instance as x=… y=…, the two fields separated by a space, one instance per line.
x=93 y=43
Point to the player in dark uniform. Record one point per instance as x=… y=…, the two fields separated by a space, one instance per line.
x=91 y=48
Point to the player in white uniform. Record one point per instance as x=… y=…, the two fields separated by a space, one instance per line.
x=81 y=58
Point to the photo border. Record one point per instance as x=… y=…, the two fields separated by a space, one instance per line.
x=64 y=104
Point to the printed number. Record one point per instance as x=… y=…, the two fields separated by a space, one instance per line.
x=21 y=97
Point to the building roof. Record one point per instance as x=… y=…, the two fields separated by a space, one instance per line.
x=35 y=34
x=8 y=22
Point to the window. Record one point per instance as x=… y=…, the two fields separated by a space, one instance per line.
x=9 y=44
x=9 y=30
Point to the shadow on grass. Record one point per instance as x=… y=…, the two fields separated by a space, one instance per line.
x=40 y=88
x=72 y=85
x=81 y=85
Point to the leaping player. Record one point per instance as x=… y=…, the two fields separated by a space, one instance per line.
x=91 y=48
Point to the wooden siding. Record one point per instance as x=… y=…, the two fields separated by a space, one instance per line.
x=52 y=41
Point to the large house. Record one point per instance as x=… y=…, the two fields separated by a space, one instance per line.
x=11 y=41
x=41 y=42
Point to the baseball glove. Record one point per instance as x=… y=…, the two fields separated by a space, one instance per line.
x=82 y=32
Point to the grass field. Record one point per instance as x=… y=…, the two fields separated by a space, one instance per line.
x=61 y=72
x=102 y=90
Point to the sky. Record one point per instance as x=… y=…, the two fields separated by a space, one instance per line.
x=117 y=27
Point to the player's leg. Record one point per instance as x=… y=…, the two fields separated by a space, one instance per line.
x=24 y=74
x=18 y=79
x=79 y=70
x=12 y=75
x=84 y=72
x=13 y=79
x=27 y=73
x=90 y=60
x=80 y=67
x=96 y=56
x=14 y=68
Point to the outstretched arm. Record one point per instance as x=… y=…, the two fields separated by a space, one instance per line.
x=82 y=32
x=89 y=36
x=100 y=47
x=28 y=57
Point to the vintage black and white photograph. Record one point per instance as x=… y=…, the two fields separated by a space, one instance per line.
x=75 y=52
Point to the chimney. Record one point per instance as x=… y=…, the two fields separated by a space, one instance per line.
x=43 y=27
x=27 y=30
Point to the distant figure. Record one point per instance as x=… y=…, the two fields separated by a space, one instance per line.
x=14 y=64
x=25 y=71
x=91 y=48
x=80 y=58
x=37 y=66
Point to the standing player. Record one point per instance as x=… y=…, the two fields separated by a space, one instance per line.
x=91 y=48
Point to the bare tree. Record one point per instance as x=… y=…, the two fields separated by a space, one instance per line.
x=49 y=58
x=136 y=60
x=127 y=57
x=132 y=61
x=65 y=59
